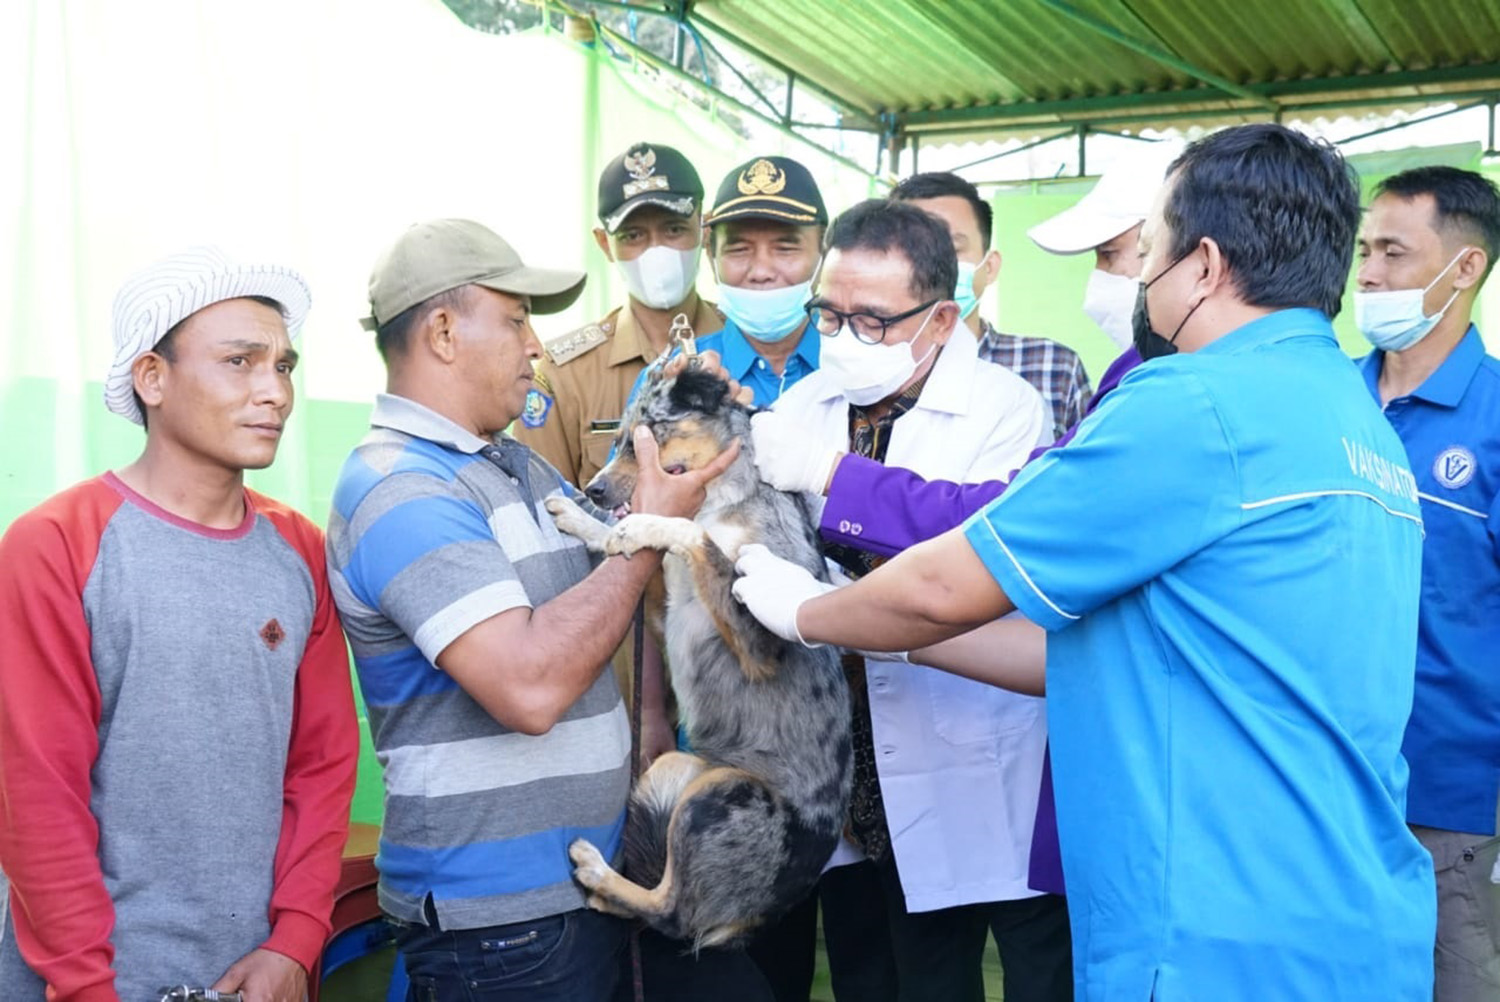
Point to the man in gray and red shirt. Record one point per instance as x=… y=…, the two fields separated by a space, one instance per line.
x=177 y=728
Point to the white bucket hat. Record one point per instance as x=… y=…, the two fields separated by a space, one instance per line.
x=155 y=300
x=1121 y=199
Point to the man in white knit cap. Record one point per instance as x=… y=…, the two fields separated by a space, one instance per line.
x=177 y=729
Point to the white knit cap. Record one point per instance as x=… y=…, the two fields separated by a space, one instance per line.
x=155 y=300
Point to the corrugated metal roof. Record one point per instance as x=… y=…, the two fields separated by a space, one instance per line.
x=965 y=67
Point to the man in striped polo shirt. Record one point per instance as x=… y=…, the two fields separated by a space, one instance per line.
x=482 y=635
x=177 y=728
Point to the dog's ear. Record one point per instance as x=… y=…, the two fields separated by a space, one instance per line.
x=698 y=391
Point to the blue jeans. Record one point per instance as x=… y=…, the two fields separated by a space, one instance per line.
x=573 y=957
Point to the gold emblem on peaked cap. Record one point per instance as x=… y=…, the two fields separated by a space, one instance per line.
x=640 y=162
x=762 y=178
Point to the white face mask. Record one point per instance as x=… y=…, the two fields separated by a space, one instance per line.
x=768 y=315
x=870 y=372
x=1394 y=321
x=661 y=276
x=1109 y=301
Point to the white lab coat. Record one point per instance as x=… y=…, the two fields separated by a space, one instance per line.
x=960 y=762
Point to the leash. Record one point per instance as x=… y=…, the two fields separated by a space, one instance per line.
x=638 y=645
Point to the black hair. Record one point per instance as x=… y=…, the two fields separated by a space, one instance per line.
x=393 y=337
x=167 y=347
x=942 y=184
x=1283 y=208
x=882 y=225
x=1467 y=205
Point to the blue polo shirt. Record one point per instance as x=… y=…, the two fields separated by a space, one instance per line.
x=1228 y=557
x=746 y=365
x=1451 y=427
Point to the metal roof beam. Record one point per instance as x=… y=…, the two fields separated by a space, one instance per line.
x=868 y=119
x=642 y=54
x=1287 y=92
x=1159 y=55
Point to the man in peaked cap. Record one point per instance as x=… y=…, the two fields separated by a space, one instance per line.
x=764 y=237
x=482 y=634
x=170 y=637
x=650 y=229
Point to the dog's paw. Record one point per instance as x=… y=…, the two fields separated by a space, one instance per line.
x=589 y=867
x=574 y=521
x=652 y=532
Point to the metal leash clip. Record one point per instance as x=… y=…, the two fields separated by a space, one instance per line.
x=182 y=993
x=681 y=334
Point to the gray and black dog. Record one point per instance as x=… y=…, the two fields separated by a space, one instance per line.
x=724 y=839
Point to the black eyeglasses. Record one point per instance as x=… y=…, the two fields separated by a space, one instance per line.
x=867 y=327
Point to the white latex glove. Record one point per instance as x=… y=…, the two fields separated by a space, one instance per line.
x=774 y=589
x=788 y=459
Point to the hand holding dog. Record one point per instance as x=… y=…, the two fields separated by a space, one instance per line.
x=787 y=459
x=680 y=495
x=774 y=589
x=709 y=361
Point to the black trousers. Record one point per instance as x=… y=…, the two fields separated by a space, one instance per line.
x=861 y=963
x=939 y=954
x=672 y=974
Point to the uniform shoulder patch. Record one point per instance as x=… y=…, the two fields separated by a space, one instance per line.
x=538 y=406
x=580 y=342
x=1454 y=467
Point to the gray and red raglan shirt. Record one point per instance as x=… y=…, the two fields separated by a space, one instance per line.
x=177 y=744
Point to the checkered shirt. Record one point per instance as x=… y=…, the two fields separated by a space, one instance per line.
x=1054 y=369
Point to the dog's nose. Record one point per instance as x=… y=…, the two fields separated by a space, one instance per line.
x=596 y=491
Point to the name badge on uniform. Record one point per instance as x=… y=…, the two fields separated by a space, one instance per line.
x=598 y=427
x=538 y=406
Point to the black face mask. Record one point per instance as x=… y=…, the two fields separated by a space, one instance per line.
x=1147 y=342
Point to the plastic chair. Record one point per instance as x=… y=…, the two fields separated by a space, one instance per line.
x=359 y=928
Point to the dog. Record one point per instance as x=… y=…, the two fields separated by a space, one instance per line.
x=725 y=839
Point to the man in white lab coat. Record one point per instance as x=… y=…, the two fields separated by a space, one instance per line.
x=947 y=769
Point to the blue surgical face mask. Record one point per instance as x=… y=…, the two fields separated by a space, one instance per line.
x=964 y=295
x=768 y=315
x=1395 y=320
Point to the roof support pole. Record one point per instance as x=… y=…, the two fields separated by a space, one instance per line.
x=1159 y=55
x=1489 y=148
x=1083 y=150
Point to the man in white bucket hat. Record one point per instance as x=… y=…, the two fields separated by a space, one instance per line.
x=177 y=729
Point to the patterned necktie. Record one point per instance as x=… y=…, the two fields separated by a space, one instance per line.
x=868 y=437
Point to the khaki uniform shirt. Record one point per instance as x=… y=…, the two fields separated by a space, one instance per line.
x=582 y=385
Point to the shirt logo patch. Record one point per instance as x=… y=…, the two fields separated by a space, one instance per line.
x=1454 y=467
x=538 y=405
x=272 y=634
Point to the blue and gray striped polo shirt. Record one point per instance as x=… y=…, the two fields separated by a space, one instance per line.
x=434 y=530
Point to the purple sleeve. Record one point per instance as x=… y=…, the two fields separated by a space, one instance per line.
x=885 y=509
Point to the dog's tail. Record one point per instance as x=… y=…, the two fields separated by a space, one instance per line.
x=646 y=838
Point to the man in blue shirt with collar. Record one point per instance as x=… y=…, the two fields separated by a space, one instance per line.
x=765 y=232
x=1227 y=559
x=1429 y=240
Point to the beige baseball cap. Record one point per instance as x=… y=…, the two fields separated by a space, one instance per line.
x=1121 y=199
x=444 y=254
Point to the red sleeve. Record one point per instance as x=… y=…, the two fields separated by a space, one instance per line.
x=49 y=740
x=320 y=766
